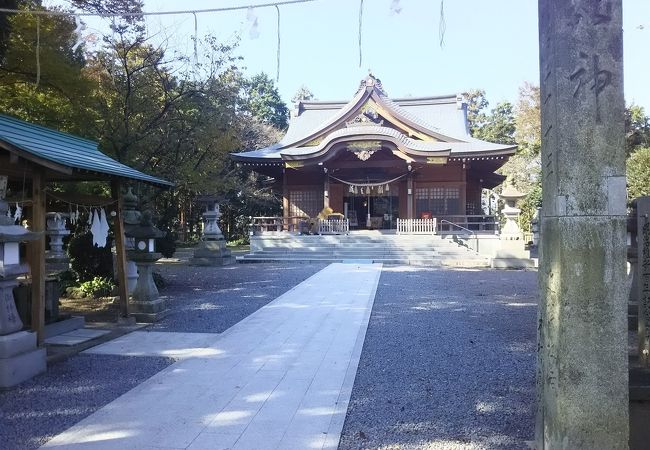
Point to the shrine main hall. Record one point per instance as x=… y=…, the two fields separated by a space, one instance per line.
x=376 y=160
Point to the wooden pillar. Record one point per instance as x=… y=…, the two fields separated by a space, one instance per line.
x=36 y=251
x=463 y=190
x=409 y=196
x=285 y=200
x=326 y=190
x=120 y=248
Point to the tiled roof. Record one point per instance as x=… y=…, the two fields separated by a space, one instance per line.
x=66 y=150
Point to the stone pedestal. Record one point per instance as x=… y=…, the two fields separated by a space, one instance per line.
x=512 y=253
x=20 y=359
x=212 y=249
x=145 y=304
x=582 y=367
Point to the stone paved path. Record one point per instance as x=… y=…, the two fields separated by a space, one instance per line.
x=280 y=378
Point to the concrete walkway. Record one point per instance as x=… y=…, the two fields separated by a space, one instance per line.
x=279 y=379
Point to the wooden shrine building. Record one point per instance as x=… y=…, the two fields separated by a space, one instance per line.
x=377 y=160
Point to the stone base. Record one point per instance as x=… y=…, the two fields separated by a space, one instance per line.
x=513 y=263
x=20 y=360
x=63 y=326
x=148 y=311
x=211 y=253
x=56 y=263
x=141 y=317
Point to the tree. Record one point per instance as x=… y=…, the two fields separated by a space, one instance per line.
x=499 y=126
x=476 y=104
x=302 y=94
x=55 y=92
x=263 y=101
x=637 y=128
x=528 y=126
x=638 y=173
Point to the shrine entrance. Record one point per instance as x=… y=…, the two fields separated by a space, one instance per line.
x=373 y=210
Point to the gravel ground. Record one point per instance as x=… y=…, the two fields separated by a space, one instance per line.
x=212 y=299
x=448 y=362
x=69 y=391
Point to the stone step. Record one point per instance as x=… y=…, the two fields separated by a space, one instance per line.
x=432 y=262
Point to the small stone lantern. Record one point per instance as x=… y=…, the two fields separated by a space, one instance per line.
x=511 y=252
x=56 y=260
x=145 y=305
x=20 y=359
x=212 y=249
x=511 y=228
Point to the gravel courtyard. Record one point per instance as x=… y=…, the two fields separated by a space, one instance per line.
x=448 y=360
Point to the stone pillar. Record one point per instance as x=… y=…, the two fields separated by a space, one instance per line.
x=131 y=219
x=582 y=371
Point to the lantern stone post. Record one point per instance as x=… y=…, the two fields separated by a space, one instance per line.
x=511 y=252
x=212 y=249
x=145 y=304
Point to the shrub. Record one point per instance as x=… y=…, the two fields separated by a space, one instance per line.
x=88 y=261
x=97 y=287
x=166 y=245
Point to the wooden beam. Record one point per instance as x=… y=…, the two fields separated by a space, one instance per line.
x=120 y=248
x=36 y=250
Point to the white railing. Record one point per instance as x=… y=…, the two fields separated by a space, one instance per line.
x=333 y=226
x=417 y=226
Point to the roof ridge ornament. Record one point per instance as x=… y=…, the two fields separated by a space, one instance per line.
x=371 y=82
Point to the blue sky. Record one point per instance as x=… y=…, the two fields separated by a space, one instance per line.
x=488 y=44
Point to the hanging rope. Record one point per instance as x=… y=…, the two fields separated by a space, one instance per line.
x=381 y=183
x=442 y=28
x=196 y=38
x=360 y=27
x=277 y=75
x=38 y=51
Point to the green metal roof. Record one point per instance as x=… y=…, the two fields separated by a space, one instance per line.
x=66 y=150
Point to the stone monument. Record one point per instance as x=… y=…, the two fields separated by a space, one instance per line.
x=20 y=358
x=212 y=249
x=582 y=366
x=145 y=304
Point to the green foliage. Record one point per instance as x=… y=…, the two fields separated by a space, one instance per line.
x=303 y=94
x=638 y=173
x=637 y=128
x=97 y=287
x=88 y=261
x=498 y=126
x=528 y=125
x=476 y=103
x=264 y=101
x=66 y=280
x=529 y=205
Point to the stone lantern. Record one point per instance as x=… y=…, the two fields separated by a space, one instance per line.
x=212 y=249
x=56 y=260
x=20 y=359
x=145 y=305
x=131 y=217
x=511 y=251
x=511 y=229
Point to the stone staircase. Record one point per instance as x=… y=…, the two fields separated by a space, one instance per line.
x=423 y=250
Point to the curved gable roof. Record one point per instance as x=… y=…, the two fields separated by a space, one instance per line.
x=440 y=120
